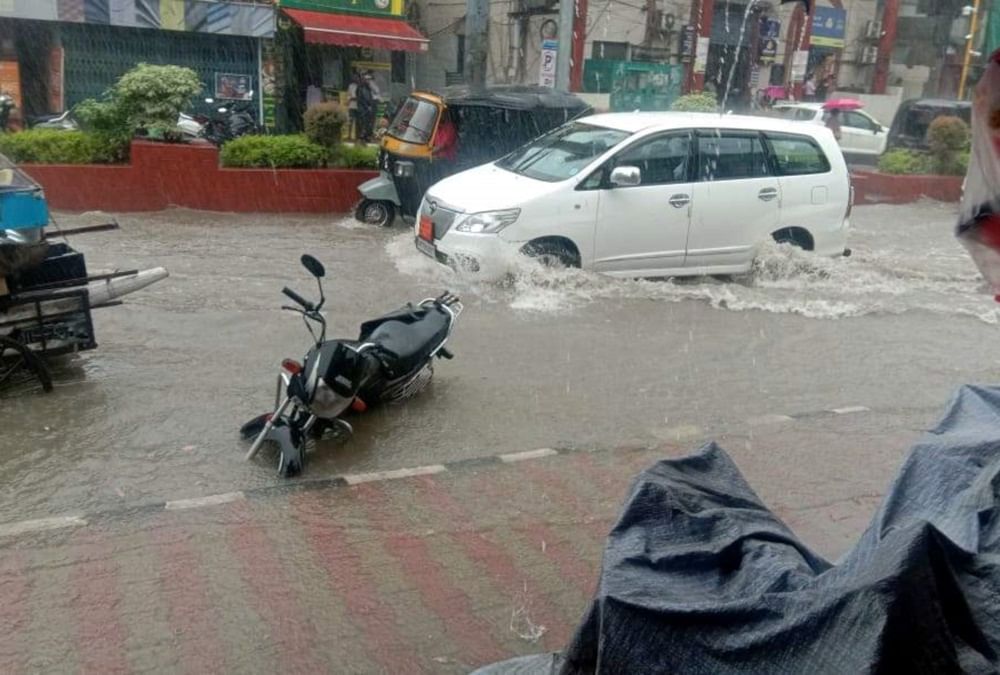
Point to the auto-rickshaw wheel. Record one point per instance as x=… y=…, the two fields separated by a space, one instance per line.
x=373 y=212
x=19 y=366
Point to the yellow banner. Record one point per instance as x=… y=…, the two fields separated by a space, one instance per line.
x=172 y=14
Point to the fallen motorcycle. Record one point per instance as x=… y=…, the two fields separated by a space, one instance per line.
x=391 y=360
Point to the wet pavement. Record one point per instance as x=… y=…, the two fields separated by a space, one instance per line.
x=564 y=360
x=434 y=573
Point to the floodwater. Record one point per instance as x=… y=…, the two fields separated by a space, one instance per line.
x=555 y=359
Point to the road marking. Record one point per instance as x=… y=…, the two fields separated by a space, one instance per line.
x=394 y=474
x=768 y=419
x=850 y=409
x=528 y=454
x=59 y=522
x=198 y=502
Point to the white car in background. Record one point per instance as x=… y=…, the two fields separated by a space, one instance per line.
x=860 y=133
x=645 y=195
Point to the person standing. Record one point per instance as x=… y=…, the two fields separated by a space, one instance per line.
x=809 y=88
x=833 y=122
x=366 y=108
x=352 y=107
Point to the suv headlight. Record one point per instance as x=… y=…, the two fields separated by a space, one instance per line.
x=488 y=222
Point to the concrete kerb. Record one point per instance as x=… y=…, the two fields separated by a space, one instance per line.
x=68 y=521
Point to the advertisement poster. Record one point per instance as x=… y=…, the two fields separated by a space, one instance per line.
x=800 y=61
x=547 y=67
x=234 y=87
x=688 y=35
x=701 y=54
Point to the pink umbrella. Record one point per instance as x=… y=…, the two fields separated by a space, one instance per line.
x=843 y=104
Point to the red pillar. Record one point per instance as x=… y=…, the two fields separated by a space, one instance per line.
x=797 y=38
x=890 y=14
x=701 y=17
x=579 y=44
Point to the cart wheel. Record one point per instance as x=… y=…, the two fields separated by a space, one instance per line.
x=19 y=365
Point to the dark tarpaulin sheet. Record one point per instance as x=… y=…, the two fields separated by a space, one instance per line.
x=700 y=577
x=514 y=97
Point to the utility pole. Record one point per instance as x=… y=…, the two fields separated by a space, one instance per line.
x=565 y=49
x=477 y=45
x=973 y=25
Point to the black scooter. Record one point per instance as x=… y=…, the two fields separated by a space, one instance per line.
x=391 y=360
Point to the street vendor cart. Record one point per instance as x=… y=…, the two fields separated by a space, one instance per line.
x=46 y=292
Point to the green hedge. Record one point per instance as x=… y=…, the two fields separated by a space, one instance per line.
x=912 y=162
x=274 y=152
x=356 y=157
x=697 y=102
x=53 y=146
x=295 y=152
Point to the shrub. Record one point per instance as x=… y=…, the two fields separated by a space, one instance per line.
x=152 y=97
x=903 y=162
x=278 y=152
x=357 y=157
x=947 y=137
x=54 y=146
x=700 y=102
x=324 y=124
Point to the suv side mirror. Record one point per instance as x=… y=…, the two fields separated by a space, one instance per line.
x=625 y=176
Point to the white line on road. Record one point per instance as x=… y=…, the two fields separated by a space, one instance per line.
x=394 y=474
x=850 y=409
x=529 y=454
x=768 y=419
x=56 y=523
x=198 y=502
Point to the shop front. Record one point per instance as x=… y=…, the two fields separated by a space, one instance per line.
x=322 y=46
x=55 y=53
x=826 y=44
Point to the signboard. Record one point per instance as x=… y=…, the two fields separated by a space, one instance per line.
x=377 y=7
x=828 y=27
x=701 y=54
x=547 y=66
x=800 y=61
x=233 y=87
x=770 y=29
x=768 y=50
x=689 y=35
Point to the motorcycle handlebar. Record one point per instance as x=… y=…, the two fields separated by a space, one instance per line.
x=297 y=298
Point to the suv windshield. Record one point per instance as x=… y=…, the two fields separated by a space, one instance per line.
x=562 y=153
x=414 y=123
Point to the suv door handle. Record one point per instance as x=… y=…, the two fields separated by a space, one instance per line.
x=679 y=200
x=767 y=194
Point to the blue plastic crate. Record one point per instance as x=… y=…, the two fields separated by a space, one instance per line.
x=23 y=210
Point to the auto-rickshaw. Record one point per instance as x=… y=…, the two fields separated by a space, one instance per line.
x=489 y=122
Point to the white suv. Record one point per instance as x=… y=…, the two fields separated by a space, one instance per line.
x=645 y=194
x=860 y=133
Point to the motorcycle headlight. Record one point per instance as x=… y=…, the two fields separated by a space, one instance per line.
x=326 y=403
x=488 y=222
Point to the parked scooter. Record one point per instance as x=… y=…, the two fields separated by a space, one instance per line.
x=227 y=123
x=391 y=360
x=63 y=121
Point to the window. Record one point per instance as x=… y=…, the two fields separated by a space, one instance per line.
x=661 y=159
x=857 y=120
x=609 y=51
x=562 y=153
x=731 y=156
x=797 y=155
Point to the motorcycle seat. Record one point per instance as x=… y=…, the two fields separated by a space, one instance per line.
x=406 y=345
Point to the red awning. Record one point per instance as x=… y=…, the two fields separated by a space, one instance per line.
x=349 y=30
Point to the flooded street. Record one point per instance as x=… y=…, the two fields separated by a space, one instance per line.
x=556 y=359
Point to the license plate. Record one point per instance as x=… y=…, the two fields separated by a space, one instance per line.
x=426 y=247
x=426 y=229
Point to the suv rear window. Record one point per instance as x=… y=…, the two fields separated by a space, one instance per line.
x=727 y=155
x=797 y=155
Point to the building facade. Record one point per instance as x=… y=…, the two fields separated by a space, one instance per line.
x=55 y=53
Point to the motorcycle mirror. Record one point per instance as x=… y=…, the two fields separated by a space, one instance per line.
x=209 y=100
x=314 y=266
